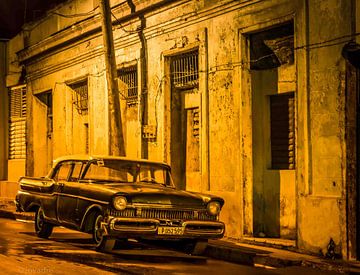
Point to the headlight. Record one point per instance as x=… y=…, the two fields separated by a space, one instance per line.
x=213 y=208
x=119 y=203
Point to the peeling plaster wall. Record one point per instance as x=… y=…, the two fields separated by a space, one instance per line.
x=322 y=203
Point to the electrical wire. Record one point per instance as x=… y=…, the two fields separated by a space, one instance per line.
x=89 y=13
x=76 y=14
x=121 y=26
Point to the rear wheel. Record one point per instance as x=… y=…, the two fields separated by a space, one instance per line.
x=43 y=229
x=102 y=242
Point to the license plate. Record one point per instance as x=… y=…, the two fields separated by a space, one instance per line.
x=166 y=230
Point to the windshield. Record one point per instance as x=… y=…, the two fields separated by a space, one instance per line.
x=127 y=172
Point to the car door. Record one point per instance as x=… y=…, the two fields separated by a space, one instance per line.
x=68 y=193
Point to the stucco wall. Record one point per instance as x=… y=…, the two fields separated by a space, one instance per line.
x=322 y=195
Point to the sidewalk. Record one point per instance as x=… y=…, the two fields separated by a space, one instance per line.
x=237 y=252
x=256 y=255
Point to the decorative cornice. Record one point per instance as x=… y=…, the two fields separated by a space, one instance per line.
x=90 y=29
x=81 y=30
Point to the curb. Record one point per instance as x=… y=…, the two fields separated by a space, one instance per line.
x=229 y=254
x=246 y=257
x=7 y=214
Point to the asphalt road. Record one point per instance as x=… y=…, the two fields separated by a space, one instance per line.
x=71 y=252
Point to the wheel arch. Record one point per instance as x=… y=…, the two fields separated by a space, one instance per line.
x=88 y=219
x=32 y=207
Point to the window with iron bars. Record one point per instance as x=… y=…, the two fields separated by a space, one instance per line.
x=17 y=125
x=129 y=84
x=185 y=70
x=80 y=96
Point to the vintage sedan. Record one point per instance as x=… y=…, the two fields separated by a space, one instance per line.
x=119 y=198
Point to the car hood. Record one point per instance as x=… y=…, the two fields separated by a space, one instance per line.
x=152 y=194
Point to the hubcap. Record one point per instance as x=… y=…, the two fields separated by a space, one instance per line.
x=40 y=219
x=98 y=234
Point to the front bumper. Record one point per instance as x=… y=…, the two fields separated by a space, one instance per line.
x=149 y=228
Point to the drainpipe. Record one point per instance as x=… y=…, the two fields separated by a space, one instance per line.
x=144 y=90
x=144 y=108
x=308 y=120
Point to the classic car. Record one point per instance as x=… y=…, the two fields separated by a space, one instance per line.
x=117 y=198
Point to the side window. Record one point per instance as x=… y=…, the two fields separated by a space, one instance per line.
x=63 y=171
x=78 y=167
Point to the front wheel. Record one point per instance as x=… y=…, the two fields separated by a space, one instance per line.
x=43 y=229
x=102 y=242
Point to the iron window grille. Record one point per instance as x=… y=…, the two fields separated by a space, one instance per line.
x=17 y=125
x=185 y=70
x=129 y=84
x=80 y=96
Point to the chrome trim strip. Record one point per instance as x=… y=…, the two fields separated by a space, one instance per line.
x=35 y=193
x=81 y=197
x=64 y=195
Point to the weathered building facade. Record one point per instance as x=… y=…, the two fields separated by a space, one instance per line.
x=247 y=99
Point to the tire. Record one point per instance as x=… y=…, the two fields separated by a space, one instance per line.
x=102 y=243
x=43 y=229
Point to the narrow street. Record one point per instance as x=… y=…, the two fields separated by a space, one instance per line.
x=70 y=252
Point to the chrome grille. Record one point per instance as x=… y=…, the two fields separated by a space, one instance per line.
x=169 y=214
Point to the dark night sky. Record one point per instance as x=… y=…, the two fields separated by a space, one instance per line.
x=13 y=13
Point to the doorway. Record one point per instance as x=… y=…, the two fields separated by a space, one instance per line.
x=273 y=86
x=185 y=120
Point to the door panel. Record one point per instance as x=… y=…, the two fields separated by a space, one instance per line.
x=67 y=203
x=68 y=192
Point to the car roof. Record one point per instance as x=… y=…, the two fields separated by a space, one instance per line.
x=105 y=157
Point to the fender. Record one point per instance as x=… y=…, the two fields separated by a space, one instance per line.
x=31 y=206
x=88 y=210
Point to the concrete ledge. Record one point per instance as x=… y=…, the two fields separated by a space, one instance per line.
x=248 y=255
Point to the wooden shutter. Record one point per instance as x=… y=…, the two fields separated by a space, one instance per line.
x=282 y=131
x=17 y=127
